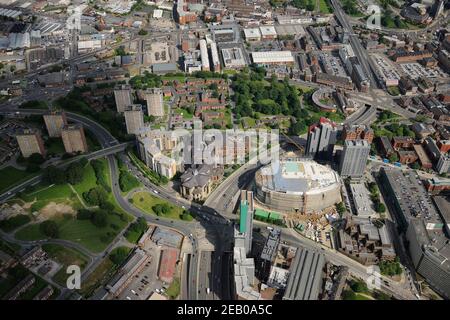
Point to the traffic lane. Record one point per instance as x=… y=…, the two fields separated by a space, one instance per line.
x=205 y=289
x=355 y=267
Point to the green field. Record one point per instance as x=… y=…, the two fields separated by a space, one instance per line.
x=79 y=231
x=184 y=112
x=99 y=276
x=173 y=290
x=44 y=194
x=12 y=176
x=133 y=236
x=14 y=222
x=145 y=201
x=89 y=181
x=65 y=256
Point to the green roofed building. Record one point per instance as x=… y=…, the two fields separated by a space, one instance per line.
x=243 y=217
x=259 y=213
x=246 y=218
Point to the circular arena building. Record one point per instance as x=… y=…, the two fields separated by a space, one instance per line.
x=302 y=186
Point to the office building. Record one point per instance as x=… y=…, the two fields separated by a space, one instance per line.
x=74 y=139
x=30 y=141
x=54 y=122
x=123 y=98
x=269 y=253
x=354 y=158
x=321 y=139
x=155 y=104
x=423 y=227
x=305 y=278
x=134 y=118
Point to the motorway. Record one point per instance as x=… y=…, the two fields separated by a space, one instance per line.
x=358 y=49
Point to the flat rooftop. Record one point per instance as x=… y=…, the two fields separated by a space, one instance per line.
x=299 y=176
x=360 y=196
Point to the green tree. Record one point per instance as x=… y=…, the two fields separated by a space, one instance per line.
x=54 y=175
x=75 y=173
x=161 y=209
x=142 y=32
x=380 y=207
x=49 y=228
x=36 y=158
x=95 y=196
x=393 y=157
x=119 y=255
x=84 y=214
x=358 y=286
x=99 y=218
x=348 y=295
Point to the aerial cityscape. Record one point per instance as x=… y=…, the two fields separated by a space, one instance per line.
x=240 y=150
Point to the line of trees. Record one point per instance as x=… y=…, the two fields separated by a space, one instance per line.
x=73 y=174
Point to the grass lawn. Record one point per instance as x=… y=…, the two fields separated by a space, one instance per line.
x=12 y=176
x=174 y=289
x=180 y=78
x=98 y=277
x=30 y=233
x=230 y=72
x=55 y=146
x=393 y=91
x=184 y=112
x=145 y=201
x=133 y=236
x=359 y=296
x=44 y=194
x=65 y=256
x=323 y=7
x=249 y=122
x=14 y=222
x=89 y=181
x=79 y=231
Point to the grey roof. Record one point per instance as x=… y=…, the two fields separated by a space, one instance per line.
x=197 y=176
x=305 y=276
x=270 y=248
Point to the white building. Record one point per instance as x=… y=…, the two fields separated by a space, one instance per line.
x=273 y=57
x=252 y=34
x=204 y=55
x=215 y=57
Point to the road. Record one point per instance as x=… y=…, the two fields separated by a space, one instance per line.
x=355 y=268
x=357 y=47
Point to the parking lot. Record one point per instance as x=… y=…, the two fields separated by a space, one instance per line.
x=415 y=70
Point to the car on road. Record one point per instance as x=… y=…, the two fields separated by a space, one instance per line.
x=155 y=191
